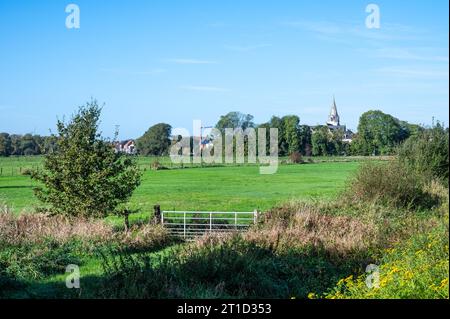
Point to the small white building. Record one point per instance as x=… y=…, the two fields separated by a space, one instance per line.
x=127 y=147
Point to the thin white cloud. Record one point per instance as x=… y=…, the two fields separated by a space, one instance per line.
x=190 y=61
x=333 y=30
x=203 y=88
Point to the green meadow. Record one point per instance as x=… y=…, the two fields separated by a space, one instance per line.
x=236 y=188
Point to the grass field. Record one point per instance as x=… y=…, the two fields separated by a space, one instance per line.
x=239 y=188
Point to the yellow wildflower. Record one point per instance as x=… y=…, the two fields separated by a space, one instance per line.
x=408 y=275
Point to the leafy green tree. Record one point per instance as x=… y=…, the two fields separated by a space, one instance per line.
x=5 y=144
x=292 y=133
x=29 y=145
x=305 y=140
x=156 y=141
x=276 y=122
x=15 y=144
x=235 y=120
x=84 y=176
x=335 y=144
x=379 y=133
x=319 y=141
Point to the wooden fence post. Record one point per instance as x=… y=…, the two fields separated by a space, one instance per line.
x=126 y=221
x=157 y=214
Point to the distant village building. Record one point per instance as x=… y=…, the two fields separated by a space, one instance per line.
x=127 y=147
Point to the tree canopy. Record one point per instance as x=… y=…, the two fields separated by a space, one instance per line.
x=155 y=141
x=235 y=120
x=379 y=134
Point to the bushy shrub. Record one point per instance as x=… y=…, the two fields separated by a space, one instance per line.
x=27 y=172
x=34 y=261
x=85 y=176
x=427 y=153
x=296 y=158
x=156 y=166
x=390 y=183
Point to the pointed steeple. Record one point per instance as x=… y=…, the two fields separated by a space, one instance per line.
x=333 y=119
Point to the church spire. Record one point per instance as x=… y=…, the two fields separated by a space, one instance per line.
x=333 y=119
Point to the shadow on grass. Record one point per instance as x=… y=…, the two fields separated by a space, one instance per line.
x=230 y=269
x=13 y=187
x=234 y=269
x=54 y=286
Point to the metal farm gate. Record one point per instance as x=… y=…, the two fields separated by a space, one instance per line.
x=188 y=224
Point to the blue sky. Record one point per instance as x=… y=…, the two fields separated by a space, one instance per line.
x=176 y=61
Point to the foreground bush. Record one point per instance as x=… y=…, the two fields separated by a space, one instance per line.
x=427 y=153
x=391 y=183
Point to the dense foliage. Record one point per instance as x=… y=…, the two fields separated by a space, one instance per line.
x=379 y=134
x=391 y=183
x=328 y=142
x=426 y=153
x=84 y=175
x=235 y=120
x=28 y=144
x=155 y=141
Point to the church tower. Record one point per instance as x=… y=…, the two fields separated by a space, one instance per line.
x=333 y=118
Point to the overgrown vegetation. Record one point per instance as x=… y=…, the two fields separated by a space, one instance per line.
x=390 y=216
x=294 y=251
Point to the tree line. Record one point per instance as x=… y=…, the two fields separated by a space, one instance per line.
x=27 y=144
x=378 y=133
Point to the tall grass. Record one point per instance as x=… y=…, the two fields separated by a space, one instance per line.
x=35 y=246
x=294 y=251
